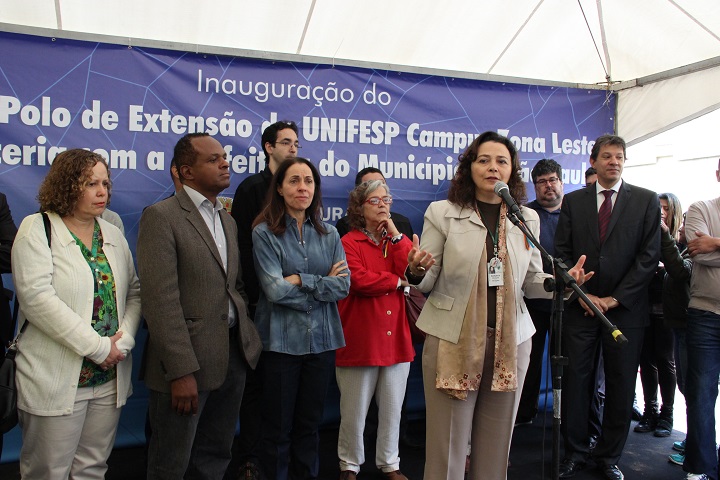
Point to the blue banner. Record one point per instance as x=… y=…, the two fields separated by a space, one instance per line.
x=132 y=104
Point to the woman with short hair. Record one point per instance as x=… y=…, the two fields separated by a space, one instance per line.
x=376 y=358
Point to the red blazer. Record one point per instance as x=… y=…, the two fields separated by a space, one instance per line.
x=373 y=315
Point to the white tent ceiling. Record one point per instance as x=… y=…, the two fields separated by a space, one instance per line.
x=662 y=56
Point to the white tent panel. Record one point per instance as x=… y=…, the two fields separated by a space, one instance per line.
x=535 y=41
x=35 y=13
x=549 y=48
x=650 y=36
x=648 y=110
x=271 y=26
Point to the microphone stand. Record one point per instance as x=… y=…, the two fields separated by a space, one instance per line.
x=558 y=284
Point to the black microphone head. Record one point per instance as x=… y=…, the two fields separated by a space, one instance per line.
x=500 y=186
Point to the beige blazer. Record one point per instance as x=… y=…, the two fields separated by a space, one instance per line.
x=185 y=296
x=456 y=238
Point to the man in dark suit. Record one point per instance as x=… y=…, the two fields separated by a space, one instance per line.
x=7 y=236
x=617 y=226
x=401 y=221
x=201 y=340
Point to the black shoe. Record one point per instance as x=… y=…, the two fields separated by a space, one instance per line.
x=568 y=468
x=612 y=472
x=664 y=428
x=647 y=424
x=636 y=414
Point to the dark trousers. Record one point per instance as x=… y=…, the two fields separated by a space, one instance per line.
x=531 y=388
x=295 y=387
x=597 y=392
x=529 y=400
x=657 y=367
x=197 y=446
x=580 y=343
x=248 y=442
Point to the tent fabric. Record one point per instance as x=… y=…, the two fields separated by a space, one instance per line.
x=591 y=43
x=673 y=101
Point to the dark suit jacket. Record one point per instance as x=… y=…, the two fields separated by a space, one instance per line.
x=249 y=200
x=401 y=222
x=185 y=292
x=625 y=263
x=7 y=236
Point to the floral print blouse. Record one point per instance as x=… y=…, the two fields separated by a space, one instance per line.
x=105 y=316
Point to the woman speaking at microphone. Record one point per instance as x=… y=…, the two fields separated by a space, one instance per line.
x=477 y=266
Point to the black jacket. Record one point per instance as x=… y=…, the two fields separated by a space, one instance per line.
x=676 y=284
x=7 y=237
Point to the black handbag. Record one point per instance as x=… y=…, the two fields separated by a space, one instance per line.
x=8 y=390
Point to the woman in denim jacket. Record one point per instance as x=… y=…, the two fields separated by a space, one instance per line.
x=300 y=263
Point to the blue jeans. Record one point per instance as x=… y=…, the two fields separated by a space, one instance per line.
x=680 y=357
x=701 y=391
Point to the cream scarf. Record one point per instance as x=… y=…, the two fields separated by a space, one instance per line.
x=460 y=366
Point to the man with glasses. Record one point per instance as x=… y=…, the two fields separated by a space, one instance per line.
x=279 y=143
x=547 y=177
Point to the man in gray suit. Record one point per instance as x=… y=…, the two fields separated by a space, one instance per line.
x=201 y=340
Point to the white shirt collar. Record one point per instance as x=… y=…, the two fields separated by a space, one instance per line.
x=599 y=188
x=198 y=199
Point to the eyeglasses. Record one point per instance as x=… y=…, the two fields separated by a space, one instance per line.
x=387 y=200
x=288 y=144
x=551 y=181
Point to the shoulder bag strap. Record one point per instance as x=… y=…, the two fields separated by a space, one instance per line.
x=48 y=229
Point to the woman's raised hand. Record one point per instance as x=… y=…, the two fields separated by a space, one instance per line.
x=419 y=261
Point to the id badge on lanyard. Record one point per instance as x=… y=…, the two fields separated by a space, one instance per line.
x=495 y=265
x=495 y=272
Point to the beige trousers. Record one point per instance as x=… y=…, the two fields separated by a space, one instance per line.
x=76 y=445
x=486 y=420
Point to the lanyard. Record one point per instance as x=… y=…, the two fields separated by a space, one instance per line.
x=495 y=237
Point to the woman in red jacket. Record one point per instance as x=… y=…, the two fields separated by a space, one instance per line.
x=376 y=358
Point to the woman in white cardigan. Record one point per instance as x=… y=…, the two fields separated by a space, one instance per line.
x=81 y=298
x=477 y=266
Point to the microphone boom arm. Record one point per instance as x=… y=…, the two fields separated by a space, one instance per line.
x=561 y=273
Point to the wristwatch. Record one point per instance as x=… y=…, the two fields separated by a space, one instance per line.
x=396 y=238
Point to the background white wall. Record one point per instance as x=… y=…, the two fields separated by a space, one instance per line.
x=682 y=160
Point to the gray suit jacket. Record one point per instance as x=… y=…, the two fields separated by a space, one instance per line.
x=185 y=292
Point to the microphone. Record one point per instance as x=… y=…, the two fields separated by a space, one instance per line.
x=502 y=191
